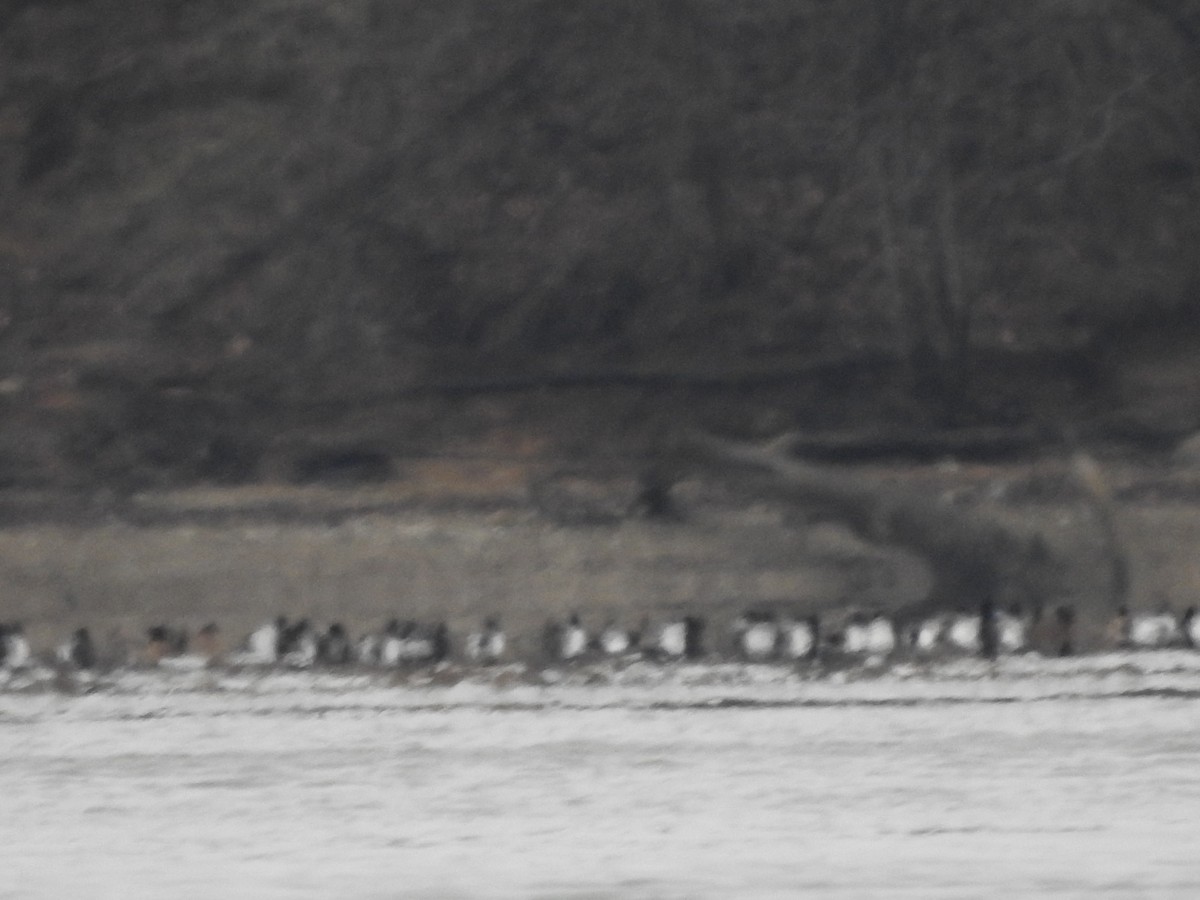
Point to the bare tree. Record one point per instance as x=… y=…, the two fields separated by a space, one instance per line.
x=982 y=138
x=976 y=556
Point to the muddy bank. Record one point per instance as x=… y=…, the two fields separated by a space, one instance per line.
x=455 y=566
x=239 y=556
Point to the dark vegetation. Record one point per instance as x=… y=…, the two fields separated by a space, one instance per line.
x=977 y=559
x=303 y=241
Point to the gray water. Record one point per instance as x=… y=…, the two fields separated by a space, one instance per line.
x=183 y=795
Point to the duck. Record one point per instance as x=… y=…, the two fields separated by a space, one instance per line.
x=367 y=649
x=573 y=640
x=755 y=637
x=854 y=634
x=693 y=636
x=928 y=634
x=208 y=642
x=672 y=640
x=488 y=645
x=298 y=650
x=797 y=638
x=158 y=644
x=391 y=644
x=1116 y=632
x=15 y=652
x=614 y=640
x=880 y=635
x=171 y=647
x=78 y=651
x=1154 y=630
x=263 y=645
x=333 y=647
x=441 y=643
x=1012 y=630
x=1189 y=625
x=1062 y=632
x=420 y=644
x=963 y=633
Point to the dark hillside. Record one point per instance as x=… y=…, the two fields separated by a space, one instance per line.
x=306 y=240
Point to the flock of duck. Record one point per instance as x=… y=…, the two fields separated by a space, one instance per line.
x=755 y=636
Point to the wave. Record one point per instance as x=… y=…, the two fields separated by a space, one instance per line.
x=170 y=692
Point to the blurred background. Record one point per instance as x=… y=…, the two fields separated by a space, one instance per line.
x=274 y=275
x=305 y=241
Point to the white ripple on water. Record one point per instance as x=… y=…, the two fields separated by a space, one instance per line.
x=1031 y=778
